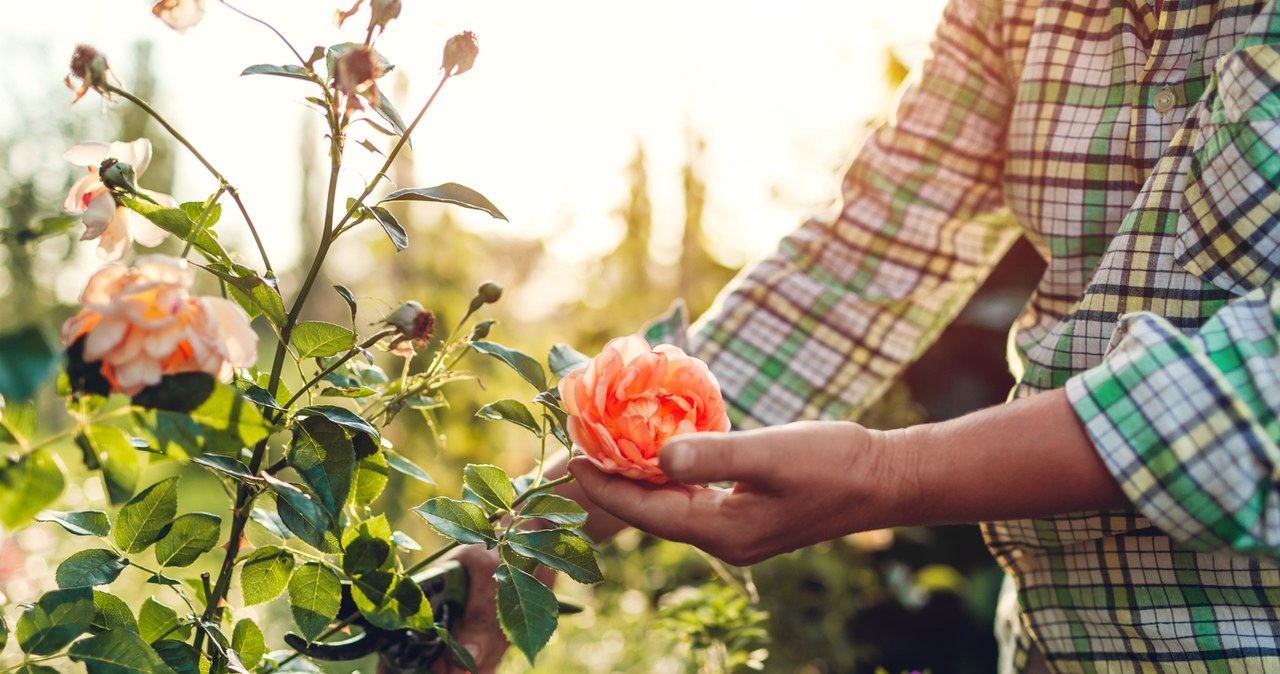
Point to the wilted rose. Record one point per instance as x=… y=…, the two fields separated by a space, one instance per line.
x=357 y=75
x=90 y=67
x=629 y=400
x=415 y=325
x=460 y=53
x=113 y=225
x=142 y=324
x=179 y=14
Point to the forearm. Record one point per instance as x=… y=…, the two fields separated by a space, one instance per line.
x=1028 y=458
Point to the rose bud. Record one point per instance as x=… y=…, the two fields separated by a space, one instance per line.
x=415 y=326
x=481 y=330
x=460 y=53
x=118 y=175
x=357 y=74
x=382 y=12
x=90 y=67
x=629 y=400
x=179 y=14
x=488 y=293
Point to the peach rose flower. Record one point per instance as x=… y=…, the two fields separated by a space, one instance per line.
x=114 y=226
x=141 y=323
x=629 y=400
x=179 y=14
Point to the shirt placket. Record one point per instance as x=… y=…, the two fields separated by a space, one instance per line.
x=1158 y=101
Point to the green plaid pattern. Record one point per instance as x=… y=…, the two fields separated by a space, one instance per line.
x=1138 y=153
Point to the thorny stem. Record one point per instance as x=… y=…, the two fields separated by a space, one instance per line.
x=222 y=180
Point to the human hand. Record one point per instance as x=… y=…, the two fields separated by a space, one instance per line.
x=479 y=631
x=797 y=484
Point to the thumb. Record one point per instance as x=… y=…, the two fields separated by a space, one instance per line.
x=698 y=458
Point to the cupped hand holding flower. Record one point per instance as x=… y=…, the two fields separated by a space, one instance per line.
x=628 y=401
x=142 y=324
x=113 y=225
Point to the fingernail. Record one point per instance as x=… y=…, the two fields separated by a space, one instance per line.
x=679 y=459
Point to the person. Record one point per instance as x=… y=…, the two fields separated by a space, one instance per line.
x=1129 y=489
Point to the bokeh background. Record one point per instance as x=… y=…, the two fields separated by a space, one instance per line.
x=643 y=152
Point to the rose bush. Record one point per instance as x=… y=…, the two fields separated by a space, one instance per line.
x=631 y=399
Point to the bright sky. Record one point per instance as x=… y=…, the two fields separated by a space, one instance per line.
x=548 y=119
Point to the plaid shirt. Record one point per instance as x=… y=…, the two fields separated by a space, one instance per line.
x=1138 y=153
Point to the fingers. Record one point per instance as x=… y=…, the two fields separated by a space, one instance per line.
x=699 y=458
x=673 y=511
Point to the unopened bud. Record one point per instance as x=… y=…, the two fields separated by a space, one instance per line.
x=402 y=318
x=460 y=53
x=490 y=292
x=382 y=12
x=481 y=330
x=118 y=176
x=90 y=67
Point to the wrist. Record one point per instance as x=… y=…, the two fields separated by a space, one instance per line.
x=895 y=478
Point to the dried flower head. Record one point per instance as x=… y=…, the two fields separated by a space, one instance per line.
x=460 y=53
x=415 y=326
x=357 y=75
x=179 y=14
x=90 y=67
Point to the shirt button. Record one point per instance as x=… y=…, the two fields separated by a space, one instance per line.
x=1164 y=100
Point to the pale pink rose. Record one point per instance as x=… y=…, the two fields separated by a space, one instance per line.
x=142 y=324
x=179 y=14
x=114 y=226
x=629 y=400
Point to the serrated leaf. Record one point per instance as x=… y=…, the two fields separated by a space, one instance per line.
x=367 y=547
x=462 y=654
x=387 y=111
x=110 y=613
x=560 y=550
x=343 y=417
x=265 y=574
x=252 y=292
x=527 y=610
x=490 y=483
x=118 y=652
x=119 y=460
x=225 y=465
x=324 y=457
x=32 y=668
x=303 y=515
x=391 y=601
x=405 y=542
x=525 y=365
x=448 y=193
x=258 y=395
x=86 y=568
x=564 y=359
x=462 y=521
x=314 y=596
x=180 y=656
x=510 y=410
x=399 y=237
x=347 y=296
x=142 y=520
x=176 y=222
x=190 y=536
x=271 y=522
x=370 y=479
x=191 y=413
x=555 y=509
x=55 y=620
x=28 y=358
x=317 y=339
x=28 y=484
x=156 y=621
x=246 y=639
x=292 y=72
x=404 y=466
x=80 y=523
x=195 y=209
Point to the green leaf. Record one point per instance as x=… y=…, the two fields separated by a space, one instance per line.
x=265 y=574
x=524 y=364
x=368 y=547
x=28 y=484
x=142 y=520
x=555 y=509
x=155 y=621
x=292 y=72
x=527 y=610
x=86 y=568
x=319 y=339
x=370 y=479
x=343 y=417
x=395 y=232
x=490 y=483
x=564 y=359
x=513 y=411
x=190 y=536
x=118 y=652
x=405 y=542
x=56 y=620
x=323 y=456
x=392 y=601
x=33 y=668
x=400 y=464
x=462 y=521
x=194 y=209
x=347 y=296
x=42 y=228
x=271 y=522
x=314 y=596
x=4 y=633
x=256 y=295
x=176 y=222
x=111 y=613
x=448 y=193
x=247 y=640
x=191 y=413
x=121 y=466
x=560 y=550
x=28 y=358
x=387 y=111
x=80 y=523
x=225 y=465
x=303 y=515
x=462 y=654
x=181 y=657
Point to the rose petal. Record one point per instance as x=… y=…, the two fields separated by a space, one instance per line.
x=89 y=153
x=115 y=240
x=98 y=216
